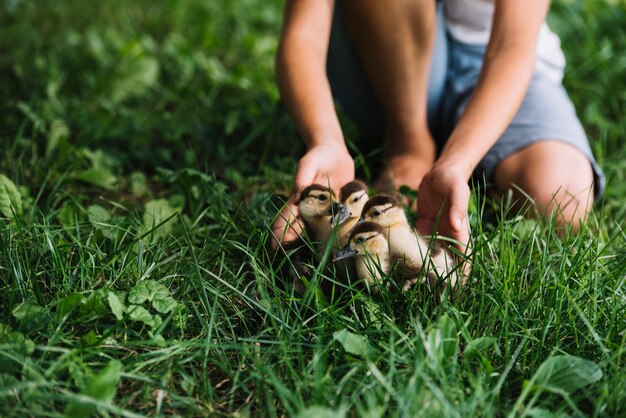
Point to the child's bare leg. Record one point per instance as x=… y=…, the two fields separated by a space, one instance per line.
x=557 y=176
x=395 y=42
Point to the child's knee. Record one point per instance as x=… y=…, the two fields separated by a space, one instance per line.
x=557 y=177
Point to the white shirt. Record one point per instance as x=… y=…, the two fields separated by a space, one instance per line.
x=469 y=22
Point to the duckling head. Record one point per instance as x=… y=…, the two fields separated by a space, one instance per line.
x=316 y=203
x=352 y=197
x=384 y=210
x=367 y=238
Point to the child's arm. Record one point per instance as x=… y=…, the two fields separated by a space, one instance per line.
x=304 y=87
x=506 y=74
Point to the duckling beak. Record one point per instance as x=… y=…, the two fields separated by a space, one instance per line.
x=341 y=216
x=345 y=252
x=360 y=221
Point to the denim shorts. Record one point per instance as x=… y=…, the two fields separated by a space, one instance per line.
x=546 y=113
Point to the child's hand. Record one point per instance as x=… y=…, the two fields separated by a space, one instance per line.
x=323 y=164
x=444 y=194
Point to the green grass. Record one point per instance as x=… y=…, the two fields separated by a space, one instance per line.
x=144 y=146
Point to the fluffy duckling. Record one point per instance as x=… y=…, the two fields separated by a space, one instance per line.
x=368 y=246
x=404 y=243
x=352 y=198
x=316 y=207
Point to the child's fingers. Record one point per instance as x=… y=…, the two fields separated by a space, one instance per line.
x=459 y=200
x=286 y=228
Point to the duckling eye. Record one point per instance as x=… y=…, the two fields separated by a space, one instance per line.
x=356 y=199
x=360 y=240
x=377 y=213
x=322 y=198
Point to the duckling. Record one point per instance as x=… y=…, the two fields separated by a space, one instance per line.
x=352 y=198
x=369 y=247
x=404 y=243
x=316 y=207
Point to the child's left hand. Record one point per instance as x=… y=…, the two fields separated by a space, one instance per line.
x=444 y=194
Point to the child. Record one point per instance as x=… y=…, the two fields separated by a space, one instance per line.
x=467 y=87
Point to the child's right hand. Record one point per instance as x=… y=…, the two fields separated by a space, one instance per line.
x=323 y=164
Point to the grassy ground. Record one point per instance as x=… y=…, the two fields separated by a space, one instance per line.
x=143 y=147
